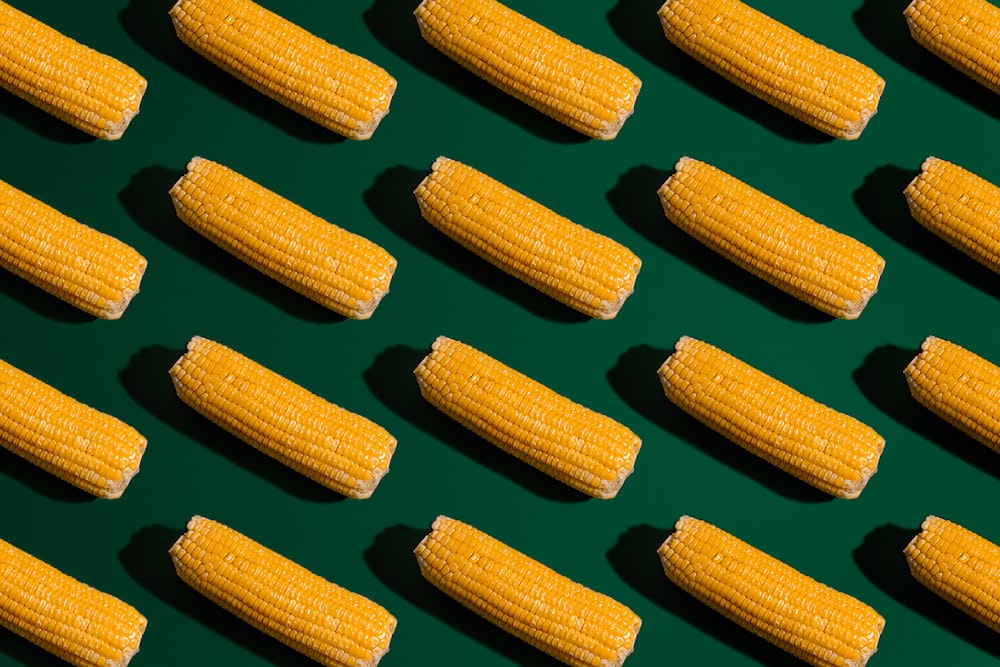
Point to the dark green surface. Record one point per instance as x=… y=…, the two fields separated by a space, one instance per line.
x=192 y=288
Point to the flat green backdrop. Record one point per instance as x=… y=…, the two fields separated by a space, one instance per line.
x=192 y=288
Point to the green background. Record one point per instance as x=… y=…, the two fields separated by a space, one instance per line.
x=192 y=288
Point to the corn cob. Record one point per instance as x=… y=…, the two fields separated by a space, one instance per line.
x=825 y=448
x=818 y=265
x=332 y=266
x=84 y=267
x=829 y=91
x=329 y=624
x=958 y=565
x=341 y=450
x=583 y=90
x=813 y=622
x=963 y=33
x=585 y=270
x=341 y=91
x=87 y=89
x=583 y=449
x=66 y=617
x=570 y=622
x=960 y=387
x=958 y=206
x=87 y=448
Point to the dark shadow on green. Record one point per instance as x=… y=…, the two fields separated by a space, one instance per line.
x=39 y=481
x=883 y=24
x=148 y=23
x=880 y=199
x=41 y=302
x=636 y=23
x=20 y=651
x=635 y=200
x=880 y=378
x=390 y=558
x=880 y=558
x=39 y=122
x=391 y=379
x=393 y=24
x=635 y=380
x=391 y=200
x=147 y=380
x=147 y=560
x=635 y=560
x=147 y=201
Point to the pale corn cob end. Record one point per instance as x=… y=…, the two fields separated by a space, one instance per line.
x=963 y=33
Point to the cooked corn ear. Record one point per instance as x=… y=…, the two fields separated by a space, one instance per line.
x=570 y=622
x=87 y=448
x=334 y=267
x=583 y=449
x=813 y=622
x=64 y=616
x=330 y=624
x=959 y=386
x=958 y=565
x=818 y=265
x=341 y=91
x=963 y=33
x=91 y=91
x=85 y=268
x=825 y=448
x=958 y=206
x=829 y=91
x=587 y=271
x=341 y=450
x=583 y=90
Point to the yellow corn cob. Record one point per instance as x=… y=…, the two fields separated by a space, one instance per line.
x=963 y=33
x=829 y=91
x=341 y=91
x=825 y=448
x=337 y=448
x=91 y=450
x=590 y=452
x=568 y=621
x=824 y=268
x=583 y=90
x=960 y=566
x=959 y=386
x=64 y=616
x=279 y=597
x=332 y=266
x=89 y=90
x=813 y=622
x=587 y=271
x=958 y=206
x=85 y=268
